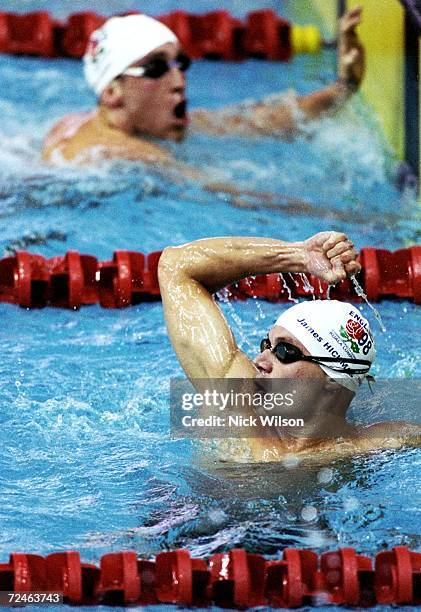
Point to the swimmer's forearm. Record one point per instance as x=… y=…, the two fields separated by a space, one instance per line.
x=218 y=262
x=326 y=101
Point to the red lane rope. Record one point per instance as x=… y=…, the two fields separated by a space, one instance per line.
x=235 y=579
x=76 y=280
x=215 y=35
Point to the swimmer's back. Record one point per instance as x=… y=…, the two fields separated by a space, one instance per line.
x=84 y=137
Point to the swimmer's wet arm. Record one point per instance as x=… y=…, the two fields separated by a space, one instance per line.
x=266 y=117
x=392 y=434
x=351 y=67
x=190 y=274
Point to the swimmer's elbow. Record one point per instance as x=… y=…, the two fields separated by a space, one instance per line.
x=169 y=262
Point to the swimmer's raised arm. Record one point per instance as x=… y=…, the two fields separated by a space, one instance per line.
x=266 y=117
x=190 y=274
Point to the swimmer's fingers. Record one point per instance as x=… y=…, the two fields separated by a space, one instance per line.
x=331 y=239
x=350 y=20
x=351 y=52
x=352 y=268
x=349 y=255
x=349 y=260
x=338 y=271
x=339 y=248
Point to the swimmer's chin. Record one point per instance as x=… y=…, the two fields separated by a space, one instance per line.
x=178 y=134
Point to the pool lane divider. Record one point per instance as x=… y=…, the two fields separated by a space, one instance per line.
x=235 y=579
x=74 y=280
x=215 y=35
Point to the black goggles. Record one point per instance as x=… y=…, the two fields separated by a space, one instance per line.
x=288 y=353
x=157 y=67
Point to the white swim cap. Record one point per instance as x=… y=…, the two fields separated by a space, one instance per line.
x=328 y=328
x=120 y=42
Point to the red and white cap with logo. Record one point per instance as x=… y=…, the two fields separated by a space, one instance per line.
x=120 y=42
x=329 y=328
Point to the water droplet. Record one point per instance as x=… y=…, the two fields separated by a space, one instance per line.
x=217 y=516
x=350 y=504
x=290 y=461
x=325 y=475
x=309 y=513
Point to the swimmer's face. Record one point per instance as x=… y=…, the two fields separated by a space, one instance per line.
x=157 y=107
x=270 y=367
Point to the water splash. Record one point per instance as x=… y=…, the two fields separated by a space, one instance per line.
x=294 y=280
x=287 y=289
x=328 y=290
x=261 y=314
x=360 y=292
x=224 y=296
x=307 y=286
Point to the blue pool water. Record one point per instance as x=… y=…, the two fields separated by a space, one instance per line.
x=87 y=460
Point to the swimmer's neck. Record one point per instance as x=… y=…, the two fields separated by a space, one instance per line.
x=324 y=423
x=115 y=120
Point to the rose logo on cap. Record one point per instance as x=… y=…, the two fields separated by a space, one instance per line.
x=356 y=335
x=95 y=47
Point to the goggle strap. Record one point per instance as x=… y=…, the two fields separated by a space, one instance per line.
x=337 y=360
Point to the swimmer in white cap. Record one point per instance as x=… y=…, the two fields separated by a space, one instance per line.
x=136 y=68
x=326 y=341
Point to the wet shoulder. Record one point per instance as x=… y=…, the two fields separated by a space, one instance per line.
x=65 y=132
x=67 y=128
x=83 y=139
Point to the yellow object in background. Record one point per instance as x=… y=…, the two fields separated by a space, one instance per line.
x=305 y=39
x=382 y=33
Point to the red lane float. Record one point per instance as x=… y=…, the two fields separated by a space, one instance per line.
x=398 y=576
x=72 y=280
x=73 y=37
x=235 y=579
x=215 y=35
x=31 y=34
x=75 y=280
x=267 y=36
x=396 y=274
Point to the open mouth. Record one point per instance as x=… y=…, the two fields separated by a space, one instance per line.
x=180 y=110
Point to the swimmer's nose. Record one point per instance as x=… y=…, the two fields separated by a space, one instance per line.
x=178 y=80
x=264 y=362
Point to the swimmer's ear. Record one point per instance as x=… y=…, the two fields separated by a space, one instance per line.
x=112 y=96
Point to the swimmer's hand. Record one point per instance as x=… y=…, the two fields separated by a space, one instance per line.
x=350 y=51
x=331 y=257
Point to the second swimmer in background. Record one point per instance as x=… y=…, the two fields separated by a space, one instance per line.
x=137 y=68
